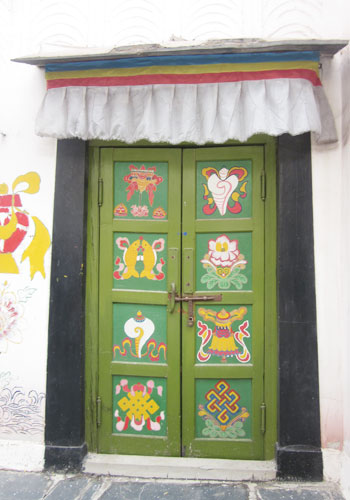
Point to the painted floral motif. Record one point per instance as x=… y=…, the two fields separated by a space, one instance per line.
x=140 y=329
x=138 y=406
x=224 y=341
x=223 y=264
x=222 y=412
x=21 y=412
x=221 y=188
x=139 y=251
x=138 y=211
x=11 y=312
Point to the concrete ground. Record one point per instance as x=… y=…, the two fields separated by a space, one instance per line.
x=50 y=486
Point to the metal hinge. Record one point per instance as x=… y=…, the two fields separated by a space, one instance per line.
x=98 y=411
x=263 y=418
x=100 y=192
x=263 y=185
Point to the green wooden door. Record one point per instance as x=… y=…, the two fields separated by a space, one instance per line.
x=179 y=223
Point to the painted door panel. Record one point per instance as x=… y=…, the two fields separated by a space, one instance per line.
x=139 y=341
x=222 y=361
x=168 y=388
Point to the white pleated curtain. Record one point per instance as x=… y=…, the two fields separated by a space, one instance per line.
x=112 y=104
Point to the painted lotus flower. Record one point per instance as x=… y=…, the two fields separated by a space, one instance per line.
x=10 y=315
x=223 y=252
x=223 y=264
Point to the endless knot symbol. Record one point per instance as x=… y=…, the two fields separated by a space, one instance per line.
x=222 y=402
x=138 y=405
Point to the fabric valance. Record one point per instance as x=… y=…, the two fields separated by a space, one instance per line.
x=196 y=98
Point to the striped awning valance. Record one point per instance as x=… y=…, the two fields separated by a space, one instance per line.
x=195 y=98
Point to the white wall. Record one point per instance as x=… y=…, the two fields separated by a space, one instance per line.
x=23 y=301
x=345 y=283
x=34 y=27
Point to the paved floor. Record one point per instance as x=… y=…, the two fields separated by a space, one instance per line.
x=40 y=486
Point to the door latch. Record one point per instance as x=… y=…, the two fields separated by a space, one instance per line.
x=173 y=298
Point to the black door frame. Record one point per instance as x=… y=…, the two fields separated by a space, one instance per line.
x=298 y=451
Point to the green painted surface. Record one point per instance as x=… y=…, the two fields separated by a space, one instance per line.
x=223 y=409
x=139 y=333
x=139 y=406
x=186 y=233
x=224 y=334
x=224 y=261
x=140 y=190
x=223 y=189
x=146 y=266
x=222 y=243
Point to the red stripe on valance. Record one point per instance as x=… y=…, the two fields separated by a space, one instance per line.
x=169 y=79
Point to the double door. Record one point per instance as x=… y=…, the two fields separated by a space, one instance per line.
x=182 y=301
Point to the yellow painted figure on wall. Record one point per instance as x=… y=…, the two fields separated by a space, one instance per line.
x=14 y=226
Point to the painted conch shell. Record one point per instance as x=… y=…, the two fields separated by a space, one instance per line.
x=221 y=187
x=140 y=329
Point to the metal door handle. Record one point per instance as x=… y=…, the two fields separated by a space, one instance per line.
x=173 y=298
x=197 y=298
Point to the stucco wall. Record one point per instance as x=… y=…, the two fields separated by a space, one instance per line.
x=40 y=27
x=24 y=299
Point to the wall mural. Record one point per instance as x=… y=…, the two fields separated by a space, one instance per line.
x=222 y=341
x=11 y=313
x=221 y=413
x=21 y=411
x=223 y=264
x=14 y=226
x=139 y=405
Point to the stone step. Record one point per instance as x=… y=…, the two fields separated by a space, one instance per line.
x=180 y=468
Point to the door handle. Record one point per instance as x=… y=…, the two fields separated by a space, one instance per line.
x=197 y=298
x=173 y=298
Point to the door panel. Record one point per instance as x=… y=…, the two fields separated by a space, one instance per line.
x=198 y=212
x=139 y=340
x=222 y=355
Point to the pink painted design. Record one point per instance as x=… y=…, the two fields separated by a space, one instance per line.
x=120 y=267
x=223 y=251
x=243 y=357
x=11 y=313
x=139 y=211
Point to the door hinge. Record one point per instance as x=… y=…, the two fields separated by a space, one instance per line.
x=100 y=192
x=98 y=411
x=263 y=185
x=263 y=418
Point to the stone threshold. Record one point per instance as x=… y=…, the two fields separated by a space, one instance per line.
x=179 y=468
